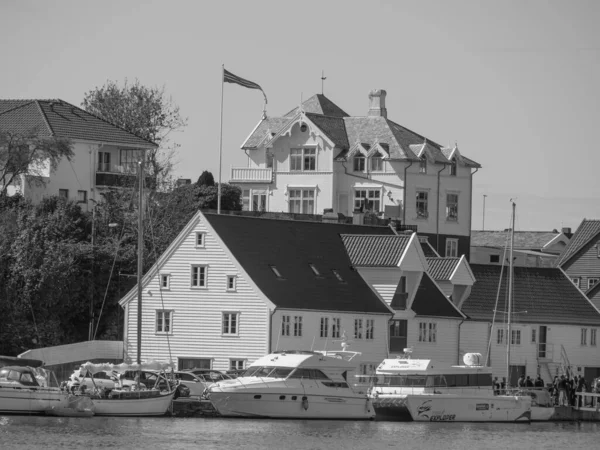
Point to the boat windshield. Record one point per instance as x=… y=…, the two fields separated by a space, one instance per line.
x=268 y=372
x=458 y=380
x=309 y=374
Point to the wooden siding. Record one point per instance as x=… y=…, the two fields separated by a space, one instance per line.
x=382 y=280
x=372 y=350
x=446 y=346
x=446 y=287
x=585 y=265
x=462 y=275
x=197 y=313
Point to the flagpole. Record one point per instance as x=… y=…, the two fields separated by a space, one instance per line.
x=221 y=140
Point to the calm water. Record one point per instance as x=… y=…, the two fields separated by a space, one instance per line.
x=22 y=432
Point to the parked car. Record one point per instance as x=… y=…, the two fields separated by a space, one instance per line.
x=195 y=384
x=209 y=376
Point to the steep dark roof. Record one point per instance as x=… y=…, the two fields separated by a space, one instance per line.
x=61 y=119
x=291 y=246
x=587 y=231
x=430 y=301
x=375 y=251
x=333 y=127
x=441 y=268
x=319 y=104
x=526 y=240
x=546 y=294
x=259 y=134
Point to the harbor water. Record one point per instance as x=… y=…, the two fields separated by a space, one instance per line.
x=24 y=432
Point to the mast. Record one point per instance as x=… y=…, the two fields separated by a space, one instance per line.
x=140 y=259
x=510 y=291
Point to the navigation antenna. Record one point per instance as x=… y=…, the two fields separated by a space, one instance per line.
x=323 y=78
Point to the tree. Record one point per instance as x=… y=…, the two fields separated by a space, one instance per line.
x=144 y=111
x=206 y=179
x=30 y=155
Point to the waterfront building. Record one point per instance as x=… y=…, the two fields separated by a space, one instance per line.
x=580 y=260
x=104 y=154
x=318 y=157
x=531 y=248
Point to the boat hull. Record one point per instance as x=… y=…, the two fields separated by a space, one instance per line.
x=290 y=404
x=392 y=408
x=144 y=406
x=22 y=400
x=448 y=408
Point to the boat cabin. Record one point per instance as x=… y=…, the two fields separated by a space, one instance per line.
x=19 y=376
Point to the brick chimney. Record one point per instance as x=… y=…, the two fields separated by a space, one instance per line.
x=377 y=103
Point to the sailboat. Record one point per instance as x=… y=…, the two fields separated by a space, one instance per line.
x=137 y=400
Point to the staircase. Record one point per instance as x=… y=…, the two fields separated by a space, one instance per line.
x=550 y=368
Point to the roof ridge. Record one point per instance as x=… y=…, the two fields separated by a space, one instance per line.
x=205 y=212
x=45 y=117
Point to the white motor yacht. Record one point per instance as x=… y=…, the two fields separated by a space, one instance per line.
x=294 y=385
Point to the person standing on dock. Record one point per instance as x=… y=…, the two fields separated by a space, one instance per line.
x=562 y=392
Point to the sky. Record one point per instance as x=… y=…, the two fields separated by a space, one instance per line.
x=515 y=84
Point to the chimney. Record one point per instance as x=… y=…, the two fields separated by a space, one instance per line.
x=377 y=103
x=358 y=217
x=567 y=232
x=329 y=216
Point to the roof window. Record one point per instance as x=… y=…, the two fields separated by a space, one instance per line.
x=315 y=270
x=276 y=271
x=337 y=275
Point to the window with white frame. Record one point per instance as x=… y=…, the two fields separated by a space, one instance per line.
x=593 y=337
x=230 y=323
x=198 y=276
x=129 y=160
x=428 y=332
x=452 y=207
x=453 y=167
x=336 y=326
x=423 y=165
x=103 y=162
x=576 y=281
x=231 y=283
x=515 y=337
x=200 y=240
x=500 y=336
x=370 y=329
x=259 y=200
x=237 y=364
x=358 y=328
x=359 y=163
x=533 y=335
x=302 y=201
x=367 y=368
x=165 y=280
x=81 y=196
x=451 y=247
x=303 y=159
x=285 y=325
x=584 y=336
x=298 y=326
x=163 y=321
x=245 y=199
x=421 y=204
x=324 y=327
x=376 y=162
x=367 y=200
x=592 y=282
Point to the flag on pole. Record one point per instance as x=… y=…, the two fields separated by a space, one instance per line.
x=228 y=77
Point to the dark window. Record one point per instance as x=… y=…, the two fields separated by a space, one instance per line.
x=494 y=258
x=398 y=335
x=257 y=397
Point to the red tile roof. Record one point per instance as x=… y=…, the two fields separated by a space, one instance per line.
x=291 y=246
x=546 y=294
x=61 y=119
x=375 y=251
x=586 y=232
x=440 y=269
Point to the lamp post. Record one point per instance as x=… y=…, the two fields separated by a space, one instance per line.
x=483 y=224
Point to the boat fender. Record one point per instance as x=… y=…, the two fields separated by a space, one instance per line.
x=305 y=403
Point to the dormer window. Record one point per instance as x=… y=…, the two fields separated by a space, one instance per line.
x=423 y=165
x=359 y=163
x=376 y=163
x=453 y=167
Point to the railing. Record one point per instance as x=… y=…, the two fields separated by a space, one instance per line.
x=545 y=351
x=251 y=175
x=587 y=401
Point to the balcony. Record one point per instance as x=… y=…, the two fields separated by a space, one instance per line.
x=119 y=176
x=251 y=175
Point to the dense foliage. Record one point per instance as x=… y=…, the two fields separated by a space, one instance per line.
x=51 y=269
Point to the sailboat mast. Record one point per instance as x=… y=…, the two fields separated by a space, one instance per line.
x=510 y=291
x=140 y=259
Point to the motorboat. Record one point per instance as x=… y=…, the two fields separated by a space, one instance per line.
x=294 y=385
x=29 y=390
x=431 y=391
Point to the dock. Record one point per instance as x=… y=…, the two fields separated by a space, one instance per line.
x=192 y=407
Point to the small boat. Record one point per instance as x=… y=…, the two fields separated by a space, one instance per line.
x=432 y=391
x=29 y=390
x=294 y=385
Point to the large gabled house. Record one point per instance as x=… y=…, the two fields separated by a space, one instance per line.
x=580 y=260
x=104 y=154
x=554 y=326
x=318 y=157
x=230 y=289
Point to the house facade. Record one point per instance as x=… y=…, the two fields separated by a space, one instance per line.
x=317 y=157
x=104 y=154
x=531 y=248
x=580 y=260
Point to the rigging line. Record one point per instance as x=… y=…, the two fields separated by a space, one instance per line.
x=118 y=244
